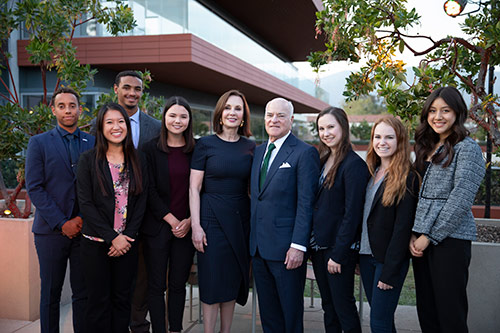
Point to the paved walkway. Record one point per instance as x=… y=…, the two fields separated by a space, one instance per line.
x=406 y=319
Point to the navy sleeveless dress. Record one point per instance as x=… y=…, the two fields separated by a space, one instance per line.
x=225 y=217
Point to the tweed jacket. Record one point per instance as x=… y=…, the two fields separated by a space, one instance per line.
x=447 y=194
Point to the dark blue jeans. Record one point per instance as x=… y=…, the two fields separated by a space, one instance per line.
x=383 y=303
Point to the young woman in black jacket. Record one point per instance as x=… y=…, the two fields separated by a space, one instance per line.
x=112 y=193
x=167 y=224
x=390 y=203
x=337 y=218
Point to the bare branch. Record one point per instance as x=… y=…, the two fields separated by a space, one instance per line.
x=407 y=36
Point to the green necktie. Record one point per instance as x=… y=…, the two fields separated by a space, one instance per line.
x=265 y=165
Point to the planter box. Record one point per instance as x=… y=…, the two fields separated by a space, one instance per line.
x=19 y=274
x=483 y=289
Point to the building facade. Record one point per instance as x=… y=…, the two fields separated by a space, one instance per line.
x=198 y=49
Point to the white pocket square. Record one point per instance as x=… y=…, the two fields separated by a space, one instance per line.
x=285 y=165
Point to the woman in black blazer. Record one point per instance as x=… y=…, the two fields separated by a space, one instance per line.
x=167 y=223
x=336 y=221
x=112 y=193
x=390 y=203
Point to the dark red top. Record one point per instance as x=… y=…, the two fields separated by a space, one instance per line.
x=178 y=165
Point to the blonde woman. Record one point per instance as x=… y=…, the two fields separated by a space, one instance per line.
x=389 y=210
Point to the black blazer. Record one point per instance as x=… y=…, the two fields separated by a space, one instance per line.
x=159 y=189
x=338 y=211
x=98 y=210
x=389 y=229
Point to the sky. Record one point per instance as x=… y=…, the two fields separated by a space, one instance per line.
x=433 y=22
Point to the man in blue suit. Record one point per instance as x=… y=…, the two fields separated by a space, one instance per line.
x=51 y=163
x=284 y=181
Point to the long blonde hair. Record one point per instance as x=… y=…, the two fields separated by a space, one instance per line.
x=400 y=165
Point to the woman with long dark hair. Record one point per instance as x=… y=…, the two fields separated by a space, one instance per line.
x=167 y=223
x=112 y=193
x=390 y=203
x=337 y=216
x=220 y=212
x=452 y=167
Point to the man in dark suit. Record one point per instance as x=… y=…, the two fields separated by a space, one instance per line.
x=128 y=88
x=51 y=163
x=284 y=180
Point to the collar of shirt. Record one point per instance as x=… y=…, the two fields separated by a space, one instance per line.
x=278 y=143
x=63 y=132
x=135 y=125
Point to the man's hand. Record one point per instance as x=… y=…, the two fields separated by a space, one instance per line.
x=293 y=258
x=72 y=227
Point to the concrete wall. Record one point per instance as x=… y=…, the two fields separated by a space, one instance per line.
x=19 y=272
x=483 y=289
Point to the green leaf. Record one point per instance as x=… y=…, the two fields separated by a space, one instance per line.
x=401 y=46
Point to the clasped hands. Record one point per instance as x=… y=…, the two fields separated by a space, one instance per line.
x=418 y=245
x=120 y=245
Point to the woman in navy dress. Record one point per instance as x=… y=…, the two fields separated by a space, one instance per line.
x=220 y=210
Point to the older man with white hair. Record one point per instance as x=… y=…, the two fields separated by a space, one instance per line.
x=284 y=180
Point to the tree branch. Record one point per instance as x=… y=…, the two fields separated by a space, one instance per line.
x=15 y=96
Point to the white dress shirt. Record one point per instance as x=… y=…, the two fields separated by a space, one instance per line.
x=136 y=129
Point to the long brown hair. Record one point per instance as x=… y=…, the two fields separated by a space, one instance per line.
x=425 y=137
x=132 y=164
x=244 y=130
x=188 y=132
x=344 y=146
x=400 y=165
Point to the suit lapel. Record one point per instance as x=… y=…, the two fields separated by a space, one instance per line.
x=143 y=128
x=108 y=179
x=257 y=162
x=58 y=144
x=285 y=150
x=85 y=143
x=378 y=196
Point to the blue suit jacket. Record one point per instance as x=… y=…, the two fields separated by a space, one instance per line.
x=338 y=211
x=50 y=180
x=281 y=212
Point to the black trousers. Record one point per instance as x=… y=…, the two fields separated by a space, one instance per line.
x=337 y=293
x=139 y=305
x=109 y=285
x=162 y=251
x=441 y=277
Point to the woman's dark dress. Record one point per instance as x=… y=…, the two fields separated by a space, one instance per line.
x=224 y=214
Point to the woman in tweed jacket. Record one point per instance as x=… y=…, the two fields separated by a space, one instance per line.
x=452 y=167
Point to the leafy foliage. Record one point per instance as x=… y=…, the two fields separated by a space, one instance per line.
x=50 y=27
x=377 y=29
x=361 y=131
x=364 y=105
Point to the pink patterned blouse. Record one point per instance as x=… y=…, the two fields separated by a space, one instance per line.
x=120 y=185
